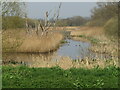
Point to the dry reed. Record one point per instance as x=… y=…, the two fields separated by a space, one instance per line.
x=87 y=31
x=18 y=41
x=43 y=43
x=67 y=62
x=104 y=45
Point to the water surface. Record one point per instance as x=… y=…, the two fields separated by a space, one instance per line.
x=74 y=49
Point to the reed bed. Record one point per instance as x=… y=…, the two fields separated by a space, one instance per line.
x=88 y=31
x=67 y=62
x=106 y=46
x=18 y=41
x=103 y=43
x=63 y=62
x=41 y=43
x=33 y=43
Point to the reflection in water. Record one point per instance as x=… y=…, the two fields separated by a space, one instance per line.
x=72 y=49
x=27 y=58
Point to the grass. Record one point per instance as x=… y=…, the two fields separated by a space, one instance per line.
x=55 y=77
x=86 y=38
x=63 y=41
x=91 y=39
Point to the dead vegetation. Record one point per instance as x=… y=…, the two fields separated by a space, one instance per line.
x=96 y=34
x=87 y=31
x=63 y=62
x=18 y=41
x=41 y=44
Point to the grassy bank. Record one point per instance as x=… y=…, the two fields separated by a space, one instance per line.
x=55 y=77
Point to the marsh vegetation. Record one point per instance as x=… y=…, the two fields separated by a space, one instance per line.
x=79 y=52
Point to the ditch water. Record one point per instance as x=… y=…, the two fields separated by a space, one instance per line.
x=73 y=49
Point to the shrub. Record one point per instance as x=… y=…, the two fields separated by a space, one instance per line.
x=111 y=27
x=11 y=22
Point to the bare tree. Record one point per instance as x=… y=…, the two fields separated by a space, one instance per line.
x=47 y=24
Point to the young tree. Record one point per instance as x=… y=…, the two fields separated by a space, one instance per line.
x=14 y=8
x=12 y=13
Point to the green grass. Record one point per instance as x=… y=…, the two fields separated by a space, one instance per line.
x=63 y=41
x=55 y=77
x=81 y=36
x=91 y=39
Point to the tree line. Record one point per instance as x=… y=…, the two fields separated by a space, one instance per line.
x=73 y=21
x=13 y=22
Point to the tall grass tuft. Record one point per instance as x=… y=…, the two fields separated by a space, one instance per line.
x=43 y=43
x=18 y=41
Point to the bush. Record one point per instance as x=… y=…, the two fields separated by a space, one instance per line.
x=111 y=27
x=12 y=22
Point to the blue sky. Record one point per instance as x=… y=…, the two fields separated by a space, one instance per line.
x=68 y=9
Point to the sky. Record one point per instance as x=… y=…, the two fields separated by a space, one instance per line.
x=68 y=9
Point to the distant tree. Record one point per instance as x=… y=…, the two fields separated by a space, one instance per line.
x=72 y=21
x=77 y=21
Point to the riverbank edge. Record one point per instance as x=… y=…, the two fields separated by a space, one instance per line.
x=94 y=43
